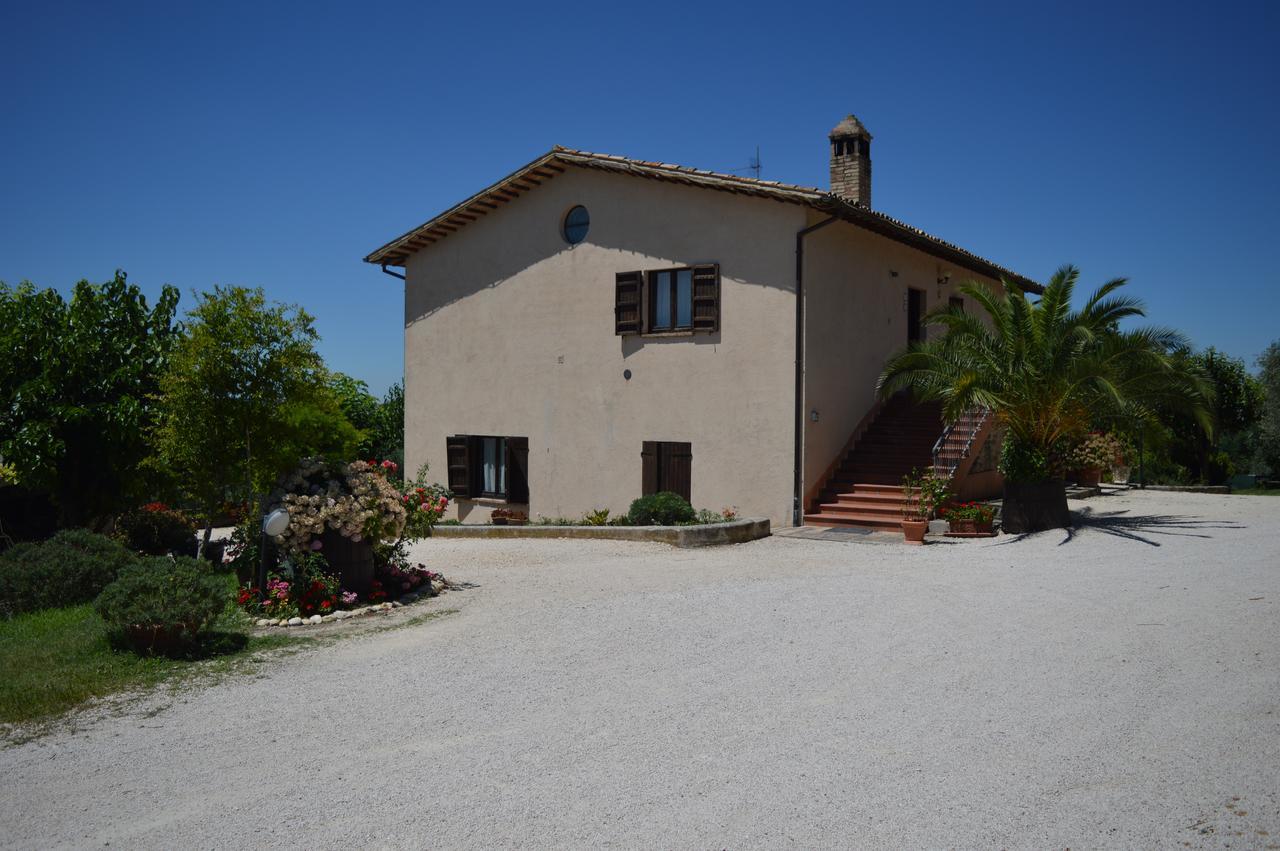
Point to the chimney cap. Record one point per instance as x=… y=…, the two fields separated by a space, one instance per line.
x=850 y=126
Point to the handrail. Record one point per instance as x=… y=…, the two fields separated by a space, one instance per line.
x=974 y=428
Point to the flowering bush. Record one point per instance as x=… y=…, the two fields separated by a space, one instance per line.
x=397 y=579
x=355 y=500
x=976 y=511
x=1098 y=450
x=309 y=590
x=425 y=503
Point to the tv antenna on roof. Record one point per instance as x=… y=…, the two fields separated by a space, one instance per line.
x=753 y=166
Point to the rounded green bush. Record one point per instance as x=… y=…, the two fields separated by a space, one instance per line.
x=70 y=568
x=661 y=509
x=161 y=603
x=157 y=531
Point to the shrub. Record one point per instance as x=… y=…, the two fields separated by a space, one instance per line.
x=1023 y=462
x=598 y=517
x=160 y=603
x=71 y=567
x=156 y=529
x=661 y=509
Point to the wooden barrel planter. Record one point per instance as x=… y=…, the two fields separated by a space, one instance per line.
x=351 y=560
x=1034 y=506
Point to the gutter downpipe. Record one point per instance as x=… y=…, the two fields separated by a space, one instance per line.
x=387 y=271
x=797 y=496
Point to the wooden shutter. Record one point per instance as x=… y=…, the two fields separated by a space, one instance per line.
x=676 y=469
x=517 y=469
x=649 y=466
x=458 y=449
x=627 y=301
x=706 y=297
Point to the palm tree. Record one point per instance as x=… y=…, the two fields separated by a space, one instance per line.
x=1046 y=372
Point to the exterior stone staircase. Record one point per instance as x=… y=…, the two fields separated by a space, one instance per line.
x=866 y=488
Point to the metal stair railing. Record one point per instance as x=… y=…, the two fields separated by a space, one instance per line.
x=973 y=421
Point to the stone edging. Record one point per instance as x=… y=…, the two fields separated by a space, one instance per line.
x=348 y=614
x=711 y=534
x=1189 y=488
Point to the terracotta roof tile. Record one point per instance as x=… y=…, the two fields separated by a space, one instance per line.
x=397 y=251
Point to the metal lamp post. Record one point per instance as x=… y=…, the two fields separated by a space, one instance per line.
x=273 y=524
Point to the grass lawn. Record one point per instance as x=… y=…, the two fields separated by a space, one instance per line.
x=1258 y=491
x=56 y=659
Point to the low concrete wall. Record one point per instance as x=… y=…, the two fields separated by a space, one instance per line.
x=712 y=534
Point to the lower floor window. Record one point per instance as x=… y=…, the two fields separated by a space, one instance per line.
x=667 y=466
x=494 y=470
x=489 y=467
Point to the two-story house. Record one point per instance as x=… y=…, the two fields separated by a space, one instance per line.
x=591 y=328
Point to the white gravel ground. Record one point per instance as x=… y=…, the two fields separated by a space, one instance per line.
x=1117 y=687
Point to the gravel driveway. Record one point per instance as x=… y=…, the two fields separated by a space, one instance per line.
x=1116 y=687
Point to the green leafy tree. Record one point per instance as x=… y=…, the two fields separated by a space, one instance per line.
x=1046 y=370
x=1212 y=455
x=359 y=406
x=387 y=436
x=78 y=381
x=245 y=396
x=1268 y=429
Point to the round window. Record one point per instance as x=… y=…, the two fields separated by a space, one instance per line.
x=576 y=223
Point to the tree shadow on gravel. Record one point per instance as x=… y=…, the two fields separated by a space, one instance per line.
x=1134 y=527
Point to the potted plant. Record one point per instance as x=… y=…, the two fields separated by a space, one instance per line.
x=517 y=518
x=500 y=516
x=969 y=518
x=922 y=493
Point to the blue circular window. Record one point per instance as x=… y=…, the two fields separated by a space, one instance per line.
x=576 y=223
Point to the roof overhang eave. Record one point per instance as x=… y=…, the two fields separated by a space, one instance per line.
x=901 y=232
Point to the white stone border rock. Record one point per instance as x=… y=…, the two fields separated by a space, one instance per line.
x=439 y=586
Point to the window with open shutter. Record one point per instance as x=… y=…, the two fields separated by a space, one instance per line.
x=628 y=303
x=649 y=467
x=706 y=297
x=667 y=466
x=517 y=469
x=459 y=459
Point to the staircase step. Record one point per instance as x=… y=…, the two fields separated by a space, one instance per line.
x=891 y=510
x=869 y=521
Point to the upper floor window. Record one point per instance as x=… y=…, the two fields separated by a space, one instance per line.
x=671 y=292
x=576 y=224
x=667 y=300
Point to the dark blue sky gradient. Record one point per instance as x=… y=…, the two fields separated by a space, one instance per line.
x=274 y=145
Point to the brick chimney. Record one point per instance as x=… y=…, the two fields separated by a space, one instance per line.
x=851 y=161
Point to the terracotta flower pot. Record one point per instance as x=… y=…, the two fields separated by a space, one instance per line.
x=1089 y=478
x=914 y=530
x=966 y=527
x=498 y=521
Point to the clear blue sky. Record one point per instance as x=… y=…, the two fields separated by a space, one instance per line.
x=274 y=145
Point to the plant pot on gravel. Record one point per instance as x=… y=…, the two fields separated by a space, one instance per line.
x=1035 y=506
x=913 y=531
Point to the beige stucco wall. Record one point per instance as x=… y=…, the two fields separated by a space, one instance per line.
x=509 y=331
x=856 y=286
